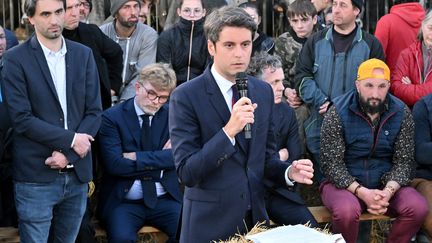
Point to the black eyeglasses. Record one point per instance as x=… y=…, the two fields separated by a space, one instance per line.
x=85 y=5
x=153 y=96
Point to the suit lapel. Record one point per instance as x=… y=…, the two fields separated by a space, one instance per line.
x=216 y=98
x=219 y=104
x=69 y=75
x=40 y=58
x=132 y=121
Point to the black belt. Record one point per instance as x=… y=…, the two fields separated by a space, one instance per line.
x=66 y=169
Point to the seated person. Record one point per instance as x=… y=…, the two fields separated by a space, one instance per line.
x=283 y=204
x=412 y=76
x=422 y=182
x=184 y=45
x=140 y=185
x=367 y=157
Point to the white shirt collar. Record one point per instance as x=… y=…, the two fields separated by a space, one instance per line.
x=47 y=52
x=223 y=84
x=138 y=110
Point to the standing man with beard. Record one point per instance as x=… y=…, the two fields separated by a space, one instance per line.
x=370 y=167
x=137 y=40
x=51 y=87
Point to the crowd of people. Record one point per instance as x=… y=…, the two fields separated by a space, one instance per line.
x=209 y=127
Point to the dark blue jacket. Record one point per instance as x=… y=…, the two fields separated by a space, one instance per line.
x=369 y=153
x=422 y=113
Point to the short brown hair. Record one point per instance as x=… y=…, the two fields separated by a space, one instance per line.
x=227 y=16
x=301 y=8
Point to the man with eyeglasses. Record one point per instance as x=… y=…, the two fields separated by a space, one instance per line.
x=140 y=184
x=184 y=45
x=137 y=40
x=85 y=8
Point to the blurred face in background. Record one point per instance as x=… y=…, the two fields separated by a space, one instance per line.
x=84 y=10
x=303 y=25
x=145 y=11
x=127 y=16
x=254 y=14
x=72 y=14
x=191 y=10
x=275 y=77
x=426 y=29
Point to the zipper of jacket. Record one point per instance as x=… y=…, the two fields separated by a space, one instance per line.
x=345 y=68
x=419 y=69
x=190 y=51
x=332 y=72
x=125 y=59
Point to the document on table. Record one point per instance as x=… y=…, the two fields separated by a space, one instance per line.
x=294 y=234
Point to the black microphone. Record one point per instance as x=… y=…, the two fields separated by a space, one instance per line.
x=242 y=86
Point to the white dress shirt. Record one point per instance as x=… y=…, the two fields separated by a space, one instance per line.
x=135 y=191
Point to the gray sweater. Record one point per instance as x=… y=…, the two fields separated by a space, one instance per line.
x=139 y=50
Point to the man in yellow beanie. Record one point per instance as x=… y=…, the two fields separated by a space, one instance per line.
x=367 y=157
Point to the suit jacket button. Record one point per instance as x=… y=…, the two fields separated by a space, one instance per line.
x=126 y=190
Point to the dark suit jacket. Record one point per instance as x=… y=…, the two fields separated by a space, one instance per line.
x=107 y=54
x=287 y=136
x=119 y=133
x=37 y=116
x=222 y=181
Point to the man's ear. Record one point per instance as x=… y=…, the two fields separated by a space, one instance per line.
x=211 y=47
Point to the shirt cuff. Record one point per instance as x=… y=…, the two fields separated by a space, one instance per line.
x=287 y=180
x=73 y=140
x=232 y=140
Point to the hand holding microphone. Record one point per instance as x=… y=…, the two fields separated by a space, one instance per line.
x=242 y=115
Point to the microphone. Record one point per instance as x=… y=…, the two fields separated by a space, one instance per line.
x=242 y=86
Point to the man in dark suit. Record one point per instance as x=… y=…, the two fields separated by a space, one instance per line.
x=140 y=185
x=222 y=170
x=51 y=88
x=106 y=52
x=284 y=205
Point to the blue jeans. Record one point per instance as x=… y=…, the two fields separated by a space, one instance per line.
x=59 y=205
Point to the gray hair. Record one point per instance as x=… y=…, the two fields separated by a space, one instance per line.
x=159 y=75
x=227 y=16
x=426 y=19
x=262 y=60
x=30 y=7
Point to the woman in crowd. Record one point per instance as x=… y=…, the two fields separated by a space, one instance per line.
x=412 y=77
x=184 y=46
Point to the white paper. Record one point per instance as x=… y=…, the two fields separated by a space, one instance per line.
x=294 y=234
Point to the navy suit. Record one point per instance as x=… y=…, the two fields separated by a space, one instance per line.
x=120 y=133
x=223 y=182
x=284 y=205
x=39 y=129
x=37 y=116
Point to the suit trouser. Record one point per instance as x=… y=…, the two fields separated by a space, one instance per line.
x=59 y=204
x=285 y=212
x=128 y=217
x=407 y=205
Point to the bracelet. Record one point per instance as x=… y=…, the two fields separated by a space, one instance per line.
x=356 y=189
x=391 y=189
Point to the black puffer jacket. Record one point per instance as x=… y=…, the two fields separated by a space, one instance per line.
x=174 y=47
